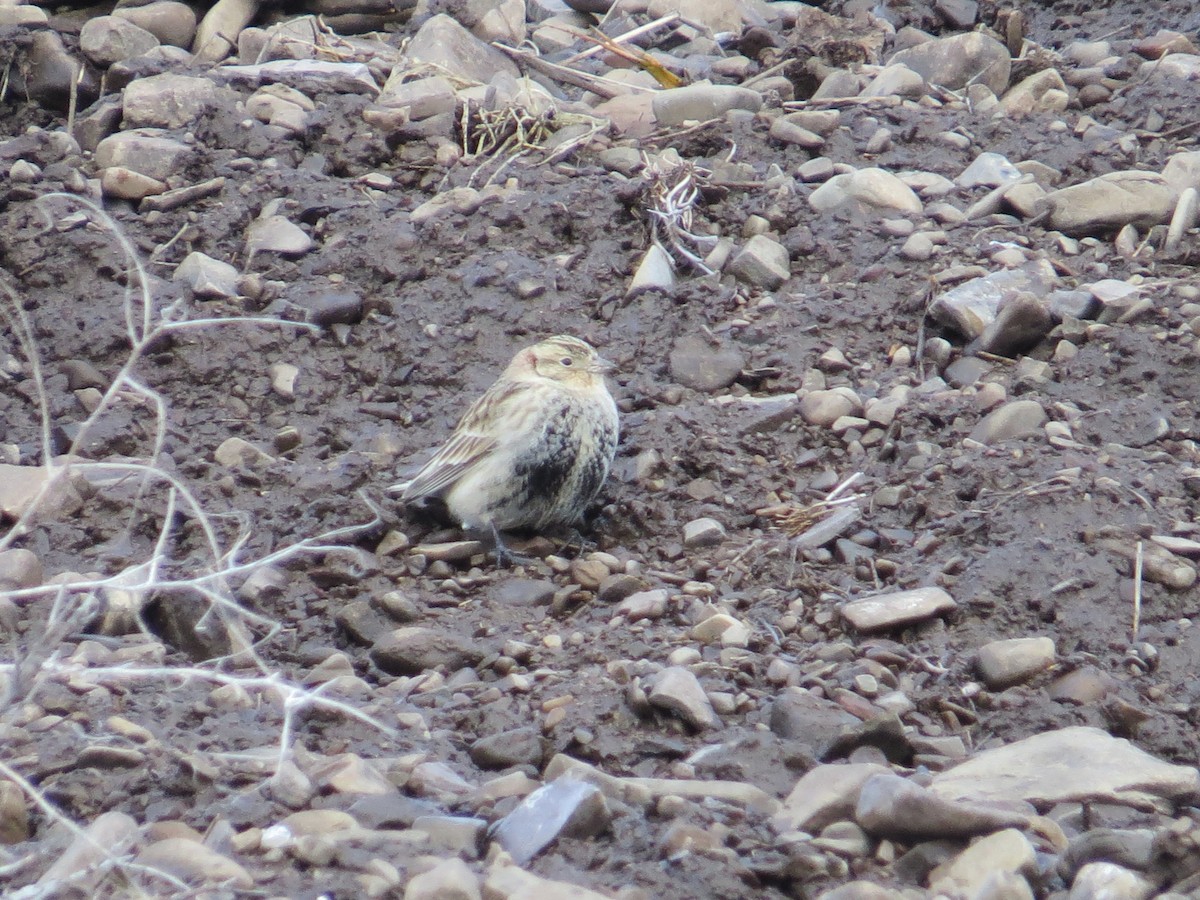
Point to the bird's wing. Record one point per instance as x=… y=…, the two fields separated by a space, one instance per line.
x=461 y=452
x=477 y=433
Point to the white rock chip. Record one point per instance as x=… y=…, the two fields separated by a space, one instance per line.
x=678 y=691
x=704 y=532
x=236 y=451
x=824 y=795
x=881 y=612
x=656 y=271
x=1005 y=663
x=874 y=188
x=1016 y=419
x=207 y=277
x=275 y=234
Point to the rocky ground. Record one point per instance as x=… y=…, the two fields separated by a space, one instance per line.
x=890 y=591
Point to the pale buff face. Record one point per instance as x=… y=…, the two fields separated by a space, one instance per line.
x=565 y=360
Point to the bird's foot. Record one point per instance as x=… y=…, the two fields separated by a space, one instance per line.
x=506 y=558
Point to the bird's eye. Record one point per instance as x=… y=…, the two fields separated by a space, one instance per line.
x=567 y=361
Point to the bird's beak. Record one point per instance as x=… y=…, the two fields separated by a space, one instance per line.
x=602 y=366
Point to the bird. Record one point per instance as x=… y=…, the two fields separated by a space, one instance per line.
x=533 y=451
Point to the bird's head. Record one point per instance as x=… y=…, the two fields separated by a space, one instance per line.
x=564 y=359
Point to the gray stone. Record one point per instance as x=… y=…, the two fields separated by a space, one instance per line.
x=896 y=80
x=126 y=184
x=450 y=879
x=701 y=102
x=696 y=364
x=194 y=863
x=520 y=746
x=679 y=692
x=763 y=262
x=970 y=307
x=958 y=13
x=108 y=39
x=825 y=794
x=788 y=131
x=1111 y=201
x=422 y=98
x=988 y=170
x=22 y=15
x=332 y=308
x=170 y=21
x=1042 y=91
x=19 y=569
x=956 y=61
x=1064 y=765
x=168 y=101
x=1005 y=663
x=1108 y=881
x=445 y=46
x=109 y=833
x=826 y=407
x=145 y=150
x=414 y=649
x=1006 y=851
x=20 y=487
x=644 y=605
x=54 y=78
x=1015 y=419
x=900 y=809
x=882 y=612
x=1022 y=321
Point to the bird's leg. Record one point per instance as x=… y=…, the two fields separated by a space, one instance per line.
x=576 y=541
x=505 y=557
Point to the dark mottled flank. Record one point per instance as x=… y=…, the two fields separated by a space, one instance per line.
x=554 y=478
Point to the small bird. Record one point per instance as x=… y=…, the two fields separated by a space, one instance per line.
x=534 y=450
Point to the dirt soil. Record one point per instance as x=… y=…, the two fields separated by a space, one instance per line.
x=1007 y=530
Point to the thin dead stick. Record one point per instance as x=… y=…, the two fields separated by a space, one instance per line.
x=604 y=87
x=625 y=38
x=1137 y=591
